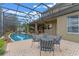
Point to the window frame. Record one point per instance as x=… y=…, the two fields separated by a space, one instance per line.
x=68 y=25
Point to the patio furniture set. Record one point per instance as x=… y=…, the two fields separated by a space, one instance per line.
x=47 y=42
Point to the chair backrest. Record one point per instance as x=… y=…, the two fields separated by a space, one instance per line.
x=58 y=39
x=46 y=45
x=36 y=38
x=33 y=36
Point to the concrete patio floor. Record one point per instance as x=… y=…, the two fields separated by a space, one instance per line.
x=23 y=48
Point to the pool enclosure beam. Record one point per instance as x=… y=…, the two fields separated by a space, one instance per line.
x=5 y=11
x=15 y=10
x=46 y=5
x=34 y=8
x=26 y=7
x=1 y=22
x=27 y=14
x=14 y=14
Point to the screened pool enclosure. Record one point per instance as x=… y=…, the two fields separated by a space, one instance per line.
x=14 y=15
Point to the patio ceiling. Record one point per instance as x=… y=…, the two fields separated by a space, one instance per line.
x=27 y=11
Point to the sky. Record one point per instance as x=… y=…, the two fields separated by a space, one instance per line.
x=41 y=8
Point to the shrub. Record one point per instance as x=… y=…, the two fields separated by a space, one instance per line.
x=2 y=46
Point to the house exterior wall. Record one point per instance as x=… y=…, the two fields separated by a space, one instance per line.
x=62 y=28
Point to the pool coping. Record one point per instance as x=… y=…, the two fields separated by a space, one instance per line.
x=10 y=37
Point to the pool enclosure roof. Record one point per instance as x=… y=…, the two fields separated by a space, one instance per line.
x=25 y=12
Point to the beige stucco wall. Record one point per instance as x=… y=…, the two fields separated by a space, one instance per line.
x=62 y=28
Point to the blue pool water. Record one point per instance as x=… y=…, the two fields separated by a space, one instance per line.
x=20 y=36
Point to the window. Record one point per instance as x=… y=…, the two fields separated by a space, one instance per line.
x=73 y=24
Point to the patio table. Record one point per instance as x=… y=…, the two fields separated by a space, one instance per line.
x=45 y=38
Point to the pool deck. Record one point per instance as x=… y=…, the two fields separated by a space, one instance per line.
x=25 y=48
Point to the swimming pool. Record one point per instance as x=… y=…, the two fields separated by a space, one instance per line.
x=19 y=36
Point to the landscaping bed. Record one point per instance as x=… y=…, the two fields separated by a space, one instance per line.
x=2 y=46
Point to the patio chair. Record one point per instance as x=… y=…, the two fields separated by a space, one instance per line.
x=46 y=45
x=57 y=40
x=35 y=38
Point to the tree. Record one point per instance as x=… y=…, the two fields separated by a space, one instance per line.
x=26 y=27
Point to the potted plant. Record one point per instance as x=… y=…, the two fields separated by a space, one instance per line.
x=2 y=46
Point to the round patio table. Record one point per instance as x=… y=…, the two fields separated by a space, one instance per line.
x=48 y=38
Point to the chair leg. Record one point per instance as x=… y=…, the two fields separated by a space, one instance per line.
x=32 y=44
x=53 y=53
x=59 y=48
x=53 y=49
x=40 y=53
